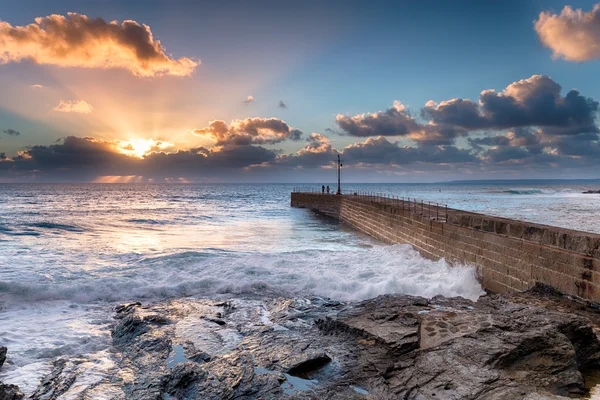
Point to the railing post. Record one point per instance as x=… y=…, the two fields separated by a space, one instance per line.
x=437 y=212
x=446 y=212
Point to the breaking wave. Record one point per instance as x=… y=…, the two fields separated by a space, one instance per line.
x=350 y=275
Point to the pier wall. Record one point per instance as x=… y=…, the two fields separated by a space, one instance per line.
x=509 y=255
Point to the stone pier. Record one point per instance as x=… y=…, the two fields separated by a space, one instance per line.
x=509 y=255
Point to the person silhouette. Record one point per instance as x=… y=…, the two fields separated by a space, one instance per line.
x=327 y=189
x=323 y=189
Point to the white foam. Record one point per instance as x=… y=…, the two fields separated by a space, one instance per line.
x=343 y=275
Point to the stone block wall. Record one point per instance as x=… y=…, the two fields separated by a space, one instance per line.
x=509 y=255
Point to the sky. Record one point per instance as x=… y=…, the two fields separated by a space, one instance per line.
x=271 y=91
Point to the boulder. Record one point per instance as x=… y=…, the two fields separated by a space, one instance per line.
x=3 y=351
x=10 y=392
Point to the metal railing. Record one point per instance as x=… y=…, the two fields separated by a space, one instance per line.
x=427 y=209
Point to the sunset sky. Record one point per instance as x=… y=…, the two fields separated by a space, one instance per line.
x=253 y=91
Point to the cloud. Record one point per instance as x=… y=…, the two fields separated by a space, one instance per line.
x=282 y=104
x=76 y=40
x=249 y=100
x=88 y=158
x=2 y=156
x=249 y=131
x=395 y=121
x=12 y=132
x=317 y=152
x=573 y=35
x=36 y=86
x=535 y=101
x=78 y=106
x=373 y=151
x=381 y=151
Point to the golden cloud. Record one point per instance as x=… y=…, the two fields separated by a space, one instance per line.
x=76 y=40
x=80 y=106
x=249 y=131
x=572 y=34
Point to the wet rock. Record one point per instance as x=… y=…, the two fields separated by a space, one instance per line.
x=57 y=382
x=3 y=351
x=157 y=319
x=309 y=364
x=529 y=346
x=216 y=321
x=10 y=392
x=591 y=192
x=128 y=328
x=126 y=308
x=181 y=377
x=498 y=349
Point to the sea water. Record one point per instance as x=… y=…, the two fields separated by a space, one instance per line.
x=69 y=253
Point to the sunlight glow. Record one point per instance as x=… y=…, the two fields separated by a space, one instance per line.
x=119 y=179
x=141 y=147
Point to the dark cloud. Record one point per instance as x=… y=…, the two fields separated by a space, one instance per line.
x=333 y=131
x=295 y=135
x=381 y=151
x=394 y=121
x=249 y=131
x=91 y=157
x=527 y=103
x=66 y=41
x=503 y=154
x=282 y=104
x=317 y=153
x=12 y=132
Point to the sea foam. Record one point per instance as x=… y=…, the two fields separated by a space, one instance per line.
x=341 y=275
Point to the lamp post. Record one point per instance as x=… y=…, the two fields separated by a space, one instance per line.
x=339 y=191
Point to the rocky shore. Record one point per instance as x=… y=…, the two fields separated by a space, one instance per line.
x=534 y=345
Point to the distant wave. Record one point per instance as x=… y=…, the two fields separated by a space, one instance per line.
x=524 y=191
x=540 y=191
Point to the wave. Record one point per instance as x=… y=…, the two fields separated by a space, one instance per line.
x=147 y=221
x=350 y=275
x=524 y=191
x=60 y=227
x=4 y=228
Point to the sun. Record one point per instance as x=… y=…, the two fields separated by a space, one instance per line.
x=141 y=147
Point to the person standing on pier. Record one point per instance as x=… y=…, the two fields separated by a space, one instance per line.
x=323 y=189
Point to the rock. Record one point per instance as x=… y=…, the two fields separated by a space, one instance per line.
x=3 y=351
x=10 y=392
x=591 y=192
x=126 y=308
x=489 y=349
x=216 y=321
x=57 y=382
x=528 y=346
x=128 y=328
x=308 y=365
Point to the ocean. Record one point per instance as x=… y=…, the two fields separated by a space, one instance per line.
x=70 y=252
